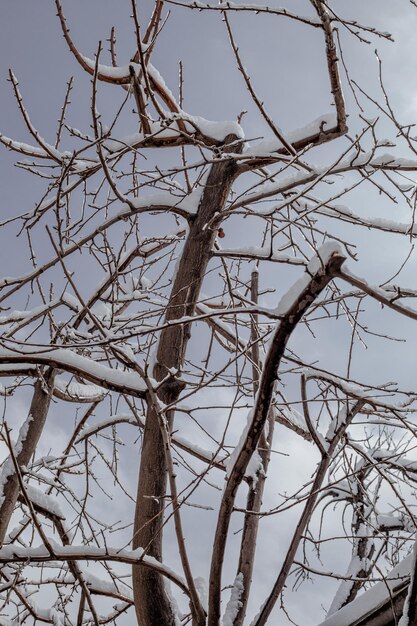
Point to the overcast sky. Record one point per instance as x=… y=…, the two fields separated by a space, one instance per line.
x=290 y=76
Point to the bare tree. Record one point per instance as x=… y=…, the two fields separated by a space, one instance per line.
x=142 y=315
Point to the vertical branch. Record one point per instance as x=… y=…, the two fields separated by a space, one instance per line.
x=332 y=65
x=305 y=517
x=301 y=299
x=409 y=616
x=362 y=549
x=181 y=101
x=254 y=334
x=29 y=435
x=256 y=489
x=197 y=610
x=151 y=600
x=140 y=101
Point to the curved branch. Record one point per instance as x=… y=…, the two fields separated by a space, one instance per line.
x=77 y=392
x=18 y=554
x=319 y=273
x=64 y=359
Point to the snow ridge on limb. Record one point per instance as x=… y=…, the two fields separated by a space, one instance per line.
x=14 y=553
x=234 y=603
x=29 y=435
x=375 y=598
x=122 y=75
x=62 y=358
x=409 y=615
x=73 y=391
x=321 y=270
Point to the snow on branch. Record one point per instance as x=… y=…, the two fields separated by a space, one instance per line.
x=321 y=269
x=65 y=359
x=383 y=296
x=20 y=554
x=74 y=391
x=247 y=7
x=375 y=598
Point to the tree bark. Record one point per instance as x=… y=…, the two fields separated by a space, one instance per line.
x=29 y=436
x=256 y=491
x=261 y=411
x=152 y=603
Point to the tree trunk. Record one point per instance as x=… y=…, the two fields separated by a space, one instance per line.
x=152 y=604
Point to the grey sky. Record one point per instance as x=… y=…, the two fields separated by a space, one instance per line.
x=291 y=79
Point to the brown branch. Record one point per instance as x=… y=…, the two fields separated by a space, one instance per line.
x=76 y=247
x=170 y=354
x=378 y=294
x=278 y=134
x=256 y=487
x=122 y=79
x=140 y=102
x=332 y=65
x=17 y=554
x=260 y=415
x=311 y=429
x=23 y=492
x=305 y=517
x=87 y=590
x=28 y=439
x=197 y=611
x=324 y=135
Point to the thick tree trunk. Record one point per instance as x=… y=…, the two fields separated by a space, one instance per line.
x=151 y=601
x=29 y=436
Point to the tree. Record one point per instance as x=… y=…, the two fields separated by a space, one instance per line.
x=148 y=309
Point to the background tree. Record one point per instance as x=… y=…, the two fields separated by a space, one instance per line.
x=204 y=414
